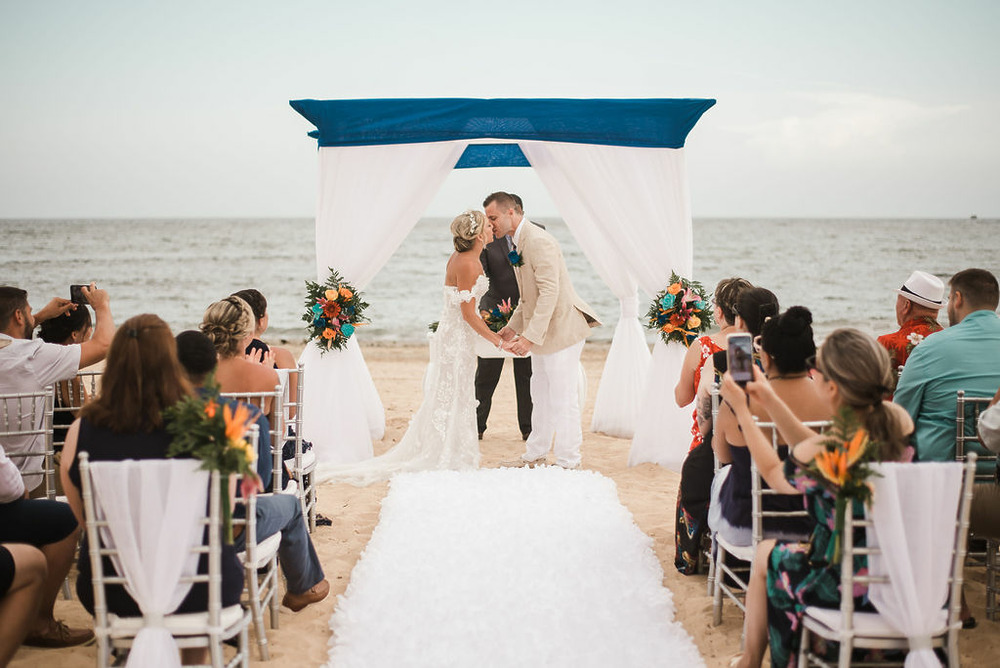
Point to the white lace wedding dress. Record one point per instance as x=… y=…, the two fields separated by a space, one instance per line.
x=442 y=433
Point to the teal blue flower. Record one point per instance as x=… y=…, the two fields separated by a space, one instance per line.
x=515 y=258
x=319 y=322
x=699 y=305
x=317 y=309
x=347 y=329
x=667 y=301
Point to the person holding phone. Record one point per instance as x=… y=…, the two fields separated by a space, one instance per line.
x=854 y=376
x=785 y=346
x=29 y=365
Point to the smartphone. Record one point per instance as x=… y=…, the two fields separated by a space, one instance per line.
x=739 y=358
x=76 y=294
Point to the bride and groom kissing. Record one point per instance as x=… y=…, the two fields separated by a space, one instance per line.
x=550 y=322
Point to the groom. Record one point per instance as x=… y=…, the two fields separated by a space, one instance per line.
x=551 y=322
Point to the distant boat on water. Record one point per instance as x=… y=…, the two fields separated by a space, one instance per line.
x=973 y=217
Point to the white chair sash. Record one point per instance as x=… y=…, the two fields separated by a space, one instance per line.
x=914 y=514
x=152 y=508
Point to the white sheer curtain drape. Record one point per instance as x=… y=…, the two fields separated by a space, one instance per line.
x=370 y=197
x=914 y=514
x=152 y=508
x=629 y=210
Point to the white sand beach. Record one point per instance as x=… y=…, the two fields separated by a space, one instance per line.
x=647 y=491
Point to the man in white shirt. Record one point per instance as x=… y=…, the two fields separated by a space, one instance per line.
x=29 y=365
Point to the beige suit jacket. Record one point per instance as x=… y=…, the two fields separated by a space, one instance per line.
x=550 y=314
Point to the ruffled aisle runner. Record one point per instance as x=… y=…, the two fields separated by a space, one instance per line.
x=507 y=567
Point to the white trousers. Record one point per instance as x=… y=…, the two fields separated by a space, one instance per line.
x=555 y=414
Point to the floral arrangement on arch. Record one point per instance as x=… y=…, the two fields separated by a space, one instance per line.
x=843 y=466
x=680 y=312
x=213 y=431
x=333 y=310
x=498 y=316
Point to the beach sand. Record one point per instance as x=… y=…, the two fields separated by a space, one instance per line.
x=648 y=491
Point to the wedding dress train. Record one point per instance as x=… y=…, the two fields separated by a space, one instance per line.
x=442 y=433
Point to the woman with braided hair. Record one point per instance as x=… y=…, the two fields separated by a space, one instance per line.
x=230 y=325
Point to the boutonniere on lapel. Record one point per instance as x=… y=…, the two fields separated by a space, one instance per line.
x=515 y=258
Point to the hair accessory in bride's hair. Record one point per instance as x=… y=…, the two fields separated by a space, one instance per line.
x=473 y=224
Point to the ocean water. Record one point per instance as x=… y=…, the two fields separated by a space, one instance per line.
x=845 y=271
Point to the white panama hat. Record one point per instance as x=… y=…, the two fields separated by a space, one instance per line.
x=924 y=289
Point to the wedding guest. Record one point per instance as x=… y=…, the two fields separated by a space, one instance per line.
x=198 y=358
x=784 y=346
x=276 y=356
x=282 y=358
x=786 y=577
x=966 y=356
x=917 y=304
x=230 y=325
x=305 y=582
x=29 y=528
x=985 y=517
x=72 y=327
x=502 y=288
x=699 y=465
x=28 y=365
x=141 y=379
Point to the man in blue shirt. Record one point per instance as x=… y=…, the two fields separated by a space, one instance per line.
x=966 y=356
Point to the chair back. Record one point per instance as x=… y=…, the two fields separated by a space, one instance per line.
x=293 y=405
x=139 y=514
x=967 y=412
x=71 y=395
x=884 y=516
x=26 y=435
x=758 y=490
x=276 y=417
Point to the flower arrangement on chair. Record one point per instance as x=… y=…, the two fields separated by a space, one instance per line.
x=333 y=310
x=497 y=317
x=680 y=312
x=843 y=467
x=213 y=431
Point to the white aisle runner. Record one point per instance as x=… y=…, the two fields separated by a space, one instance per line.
x=507 y=567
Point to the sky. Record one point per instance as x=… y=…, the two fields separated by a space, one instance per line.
x=136 y=109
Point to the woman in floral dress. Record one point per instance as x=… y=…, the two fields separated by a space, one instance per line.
x=698 y=468
x=787 y=577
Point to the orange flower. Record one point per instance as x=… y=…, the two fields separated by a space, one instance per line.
x=329 y=333
x=210 y=408
x=345 y=293
x=833 y=466
x=694 y=321
x=674 y=289
x=330 y=294
x=667 y=328
x=677 y=319
x=236 y=421
x=857 y=446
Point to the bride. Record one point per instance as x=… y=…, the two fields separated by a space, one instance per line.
x=442 y=433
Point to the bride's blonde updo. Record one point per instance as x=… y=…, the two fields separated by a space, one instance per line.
x=227 y=323
x=466 y=228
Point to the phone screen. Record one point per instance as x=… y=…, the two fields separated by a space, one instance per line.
x=76 y=294
x=739 y=356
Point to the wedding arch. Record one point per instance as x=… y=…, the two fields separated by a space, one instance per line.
x=615 y=171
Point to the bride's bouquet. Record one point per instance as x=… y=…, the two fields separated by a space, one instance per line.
x=680 y=312
x=333 y=310
x=497 y=317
